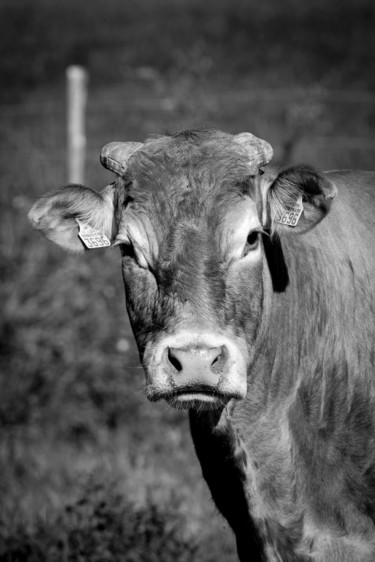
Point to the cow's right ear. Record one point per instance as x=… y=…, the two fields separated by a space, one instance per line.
x=56 y=214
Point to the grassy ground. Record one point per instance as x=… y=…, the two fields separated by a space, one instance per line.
x=89 y=469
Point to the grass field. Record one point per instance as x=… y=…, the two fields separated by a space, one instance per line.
x=89 y=469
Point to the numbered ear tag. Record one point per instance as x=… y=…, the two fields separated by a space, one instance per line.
x=90 y=237
x=292 y=214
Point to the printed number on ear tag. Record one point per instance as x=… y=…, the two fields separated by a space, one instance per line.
x=292 y=214
x=90 y=237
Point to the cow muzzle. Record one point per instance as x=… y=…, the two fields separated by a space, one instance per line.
x=195 y=371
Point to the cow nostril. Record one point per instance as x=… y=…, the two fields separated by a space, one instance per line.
x=217 y=365
x=174 y=361
x=195 y=360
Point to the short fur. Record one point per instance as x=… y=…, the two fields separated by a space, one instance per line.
x=291 y=466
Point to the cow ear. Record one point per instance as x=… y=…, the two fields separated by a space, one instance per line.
x=297 y=199
x=56 y=215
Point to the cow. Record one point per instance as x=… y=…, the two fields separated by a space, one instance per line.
x=251 y=297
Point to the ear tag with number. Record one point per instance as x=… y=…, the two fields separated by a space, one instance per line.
x=91 y=237
x=292 y=214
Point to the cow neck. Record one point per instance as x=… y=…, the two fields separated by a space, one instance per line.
x=310 y=327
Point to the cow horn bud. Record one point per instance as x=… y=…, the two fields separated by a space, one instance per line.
x=260 y=152
x=115 y=155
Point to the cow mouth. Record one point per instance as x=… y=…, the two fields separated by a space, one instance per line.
x=199 y=399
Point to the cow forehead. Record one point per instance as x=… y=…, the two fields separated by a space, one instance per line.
x=190 y=187
x=188 y=165
x=185 y=178
x=189 y=146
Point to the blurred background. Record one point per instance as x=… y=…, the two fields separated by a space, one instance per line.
x=89 y=470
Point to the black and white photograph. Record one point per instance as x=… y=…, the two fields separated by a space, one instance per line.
x=187 y=281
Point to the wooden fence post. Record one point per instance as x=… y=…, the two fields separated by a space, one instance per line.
x=77 y=79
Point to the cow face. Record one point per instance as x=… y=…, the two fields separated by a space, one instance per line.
x=189 y=213
x=191 y=244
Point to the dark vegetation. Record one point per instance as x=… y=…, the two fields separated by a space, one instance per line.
x=88 y=469
x=102 y=526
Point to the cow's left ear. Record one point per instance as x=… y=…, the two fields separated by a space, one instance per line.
x=297 y=199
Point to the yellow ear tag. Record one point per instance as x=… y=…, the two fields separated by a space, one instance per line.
x=292 y=214
x=90 y=237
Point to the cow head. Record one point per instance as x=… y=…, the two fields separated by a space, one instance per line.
x=189 y=213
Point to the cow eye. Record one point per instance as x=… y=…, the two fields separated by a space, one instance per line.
x=252 y=241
